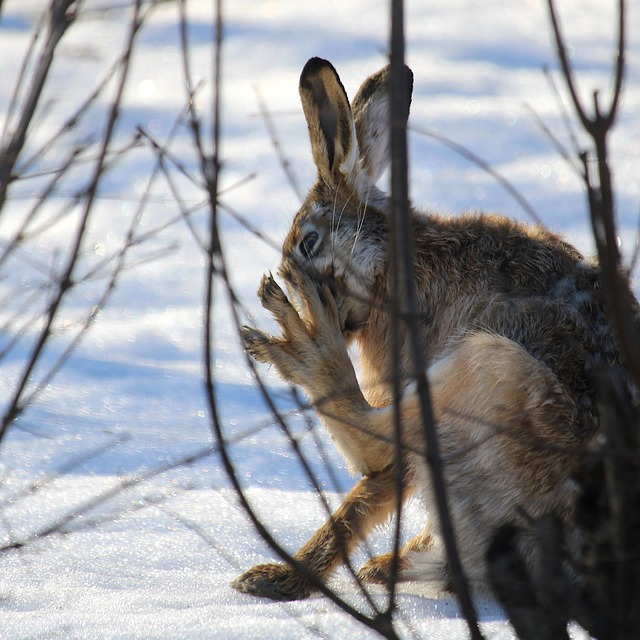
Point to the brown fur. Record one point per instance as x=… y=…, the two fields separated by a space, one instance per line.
x=511 y=322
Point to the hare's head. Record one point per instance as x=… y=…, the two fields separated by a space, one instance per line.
x=340 y=232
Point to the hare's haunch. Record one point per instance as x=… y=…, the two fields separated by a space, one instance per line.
x=511 y=324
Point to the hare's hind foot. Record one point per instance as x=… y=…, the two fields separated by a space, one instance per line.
x=273 y=581
x=380 y=569
x=415 y=566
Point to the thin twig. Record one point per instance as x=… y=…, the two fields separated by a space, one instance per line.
x=566 y=68
x=61 y=19
x=566 y=118
x=402 y=252
x=569 y=158
x=485 y=166
x=275 y=142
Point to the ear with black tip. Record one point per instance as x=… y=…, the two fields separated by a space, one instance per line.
x=371 y=112
x=329 y=119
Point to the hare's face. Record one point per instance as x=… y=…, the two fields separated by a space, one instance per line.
x=341 y=240
x=340 y=232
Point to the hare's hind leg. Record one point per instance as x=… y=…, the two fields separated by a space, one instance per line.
x=368 y=504
x=505 y=428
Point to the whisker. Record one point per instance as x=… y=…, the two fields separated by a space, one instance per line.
x=360 y=224
x=334 y=226
x=346 y=204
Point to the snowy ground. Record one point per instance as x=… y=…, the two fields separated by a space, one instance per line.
x=156 y=561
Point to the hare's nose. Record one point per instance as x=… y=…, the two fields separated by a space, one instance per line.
x=308 y=243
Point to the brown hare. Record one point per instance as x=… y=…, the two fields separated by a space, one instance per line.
x=511 y=323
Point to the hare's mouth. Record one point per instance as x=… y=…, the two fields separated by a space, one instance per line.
x=348 y=317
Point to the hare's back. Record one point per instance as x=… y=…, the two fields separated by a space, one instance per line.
x=528 y=285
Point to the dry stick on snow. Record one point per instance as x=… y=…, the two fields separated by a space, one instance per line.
x=401 y=271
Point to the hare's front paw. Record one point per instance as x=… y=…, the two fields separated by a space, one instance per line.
x=274 y=581
x=311 y=352
x=279 y=352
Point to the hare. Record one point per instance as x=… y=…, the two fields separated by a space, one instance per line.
x=511 y=322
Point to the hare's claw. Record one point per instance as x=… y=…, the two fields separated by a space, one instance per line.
x=278 y=352
x=270 y=293
x=316 y=292
x=274 y=581
x=256 y=343
x=274 y=300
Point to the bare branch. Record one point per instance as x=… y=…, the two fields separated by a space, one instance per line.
x=402 y=252
x=619 y=67
x=485 y=166
x=566 y=67
x=275 y=142
x=61 y=18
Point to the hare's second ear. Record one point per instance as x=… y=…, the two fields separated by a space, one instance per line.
x=371 y=111
x=328 y=114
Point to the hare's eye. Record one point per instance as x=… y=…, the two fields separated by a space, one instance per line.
x=308 y=243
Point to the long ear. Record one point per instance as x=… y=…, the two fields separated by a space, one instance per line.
x=371 y=112
x=329 y=119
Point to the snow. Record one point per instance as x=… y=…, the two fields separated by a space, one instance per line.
x=155 y=560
